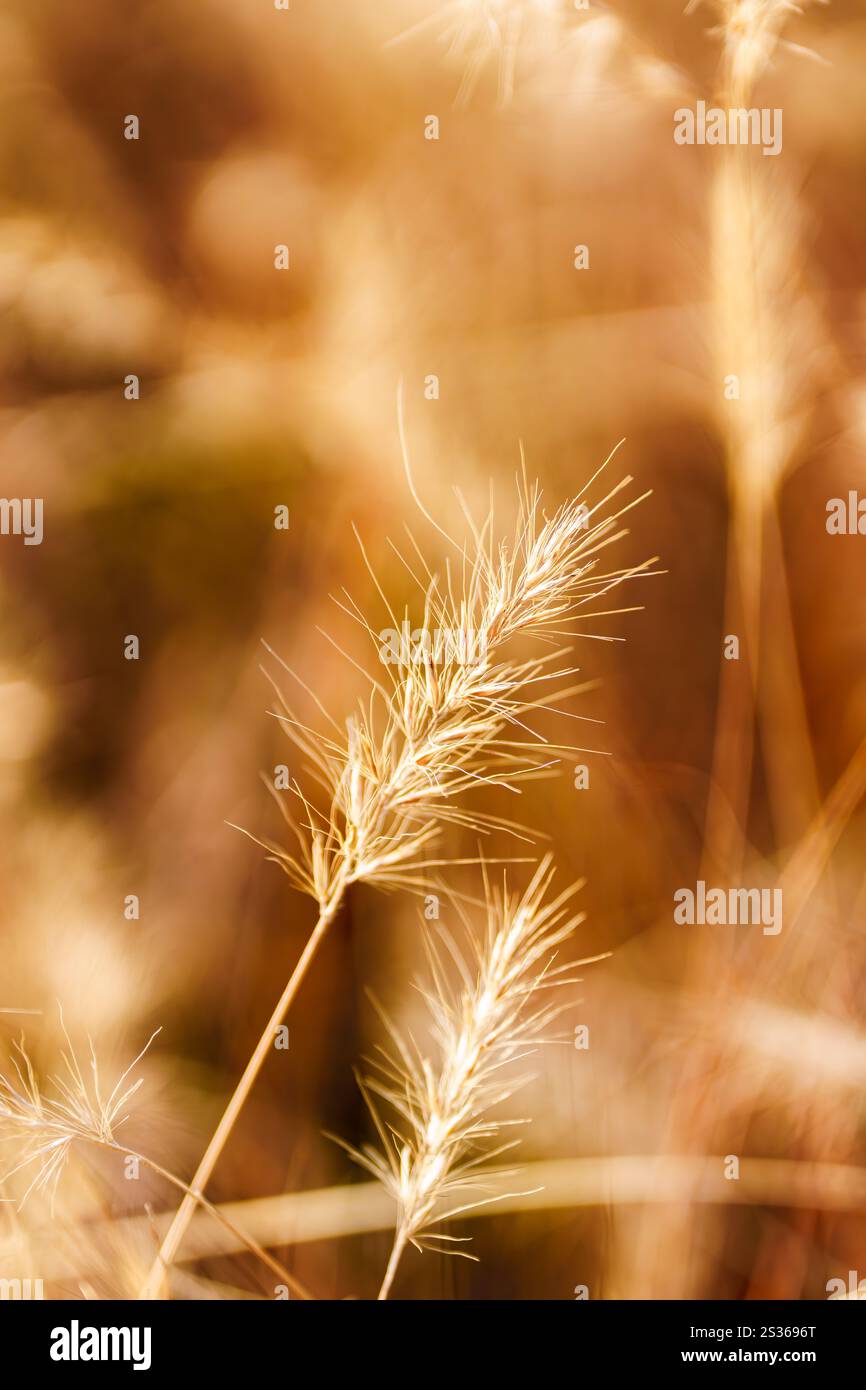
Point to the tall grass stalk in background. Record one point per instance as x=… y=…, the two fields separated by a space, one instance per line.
x=485 y=1017
x=430 y=732
x=765 y=330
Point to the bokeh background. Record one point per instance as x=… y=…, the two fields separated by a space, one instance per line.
x=262 y=388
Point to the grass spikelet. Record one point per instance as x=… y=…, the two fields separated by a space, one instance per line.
x=750 y=32
x=43 y=1124
x=46 y=1125
x=439 y=725
x=485 y=1017
x=480 y=34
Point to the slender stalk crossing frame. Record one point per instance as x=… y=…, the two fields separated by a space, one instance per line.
x=183 y=1216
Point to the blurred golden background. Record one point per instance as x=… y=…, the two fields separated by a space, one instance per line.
x=259 y=388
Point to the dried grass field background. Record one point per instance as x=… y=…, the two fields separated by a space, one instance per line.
x=251 y=936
